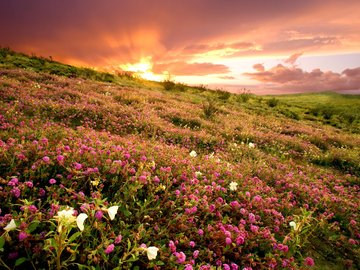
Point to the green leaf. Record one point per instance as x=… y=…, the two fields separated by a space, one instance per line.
x=20 y=261
x=160 y=263
x=2 y=241
x=32 y=227
x=136 y=267
x=73 y=237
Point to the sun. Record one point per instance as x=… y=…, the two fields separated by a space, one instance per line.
x=142 y=69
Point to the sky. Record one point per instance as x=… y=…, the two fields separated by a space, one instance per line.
x=267 y=47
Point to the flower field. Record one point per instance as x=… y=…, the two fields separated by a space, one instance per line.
x=129 y=175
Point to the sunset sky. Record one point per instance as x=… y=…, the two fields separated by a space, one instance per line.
x=279 y=46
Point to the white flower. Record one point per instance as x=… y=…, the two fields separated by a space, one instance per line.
x=66 y=216
x=193 y=153
x=293 y=224
x=151 y=252
x=80 y=220
x=251 y=145
x=11 y=226
x=198 y=174
x=112 y=211
x=233 y=186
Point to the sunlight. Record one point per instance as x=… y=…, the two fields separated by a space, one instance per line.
x=142 y=69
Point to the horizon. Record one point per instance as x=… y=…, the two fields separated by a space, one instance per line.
x=280 y=47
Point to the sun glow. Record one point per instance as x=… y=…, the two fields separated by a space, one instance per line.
x=142 y=69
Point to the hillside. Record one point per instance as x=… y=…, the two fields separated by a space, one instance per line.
x=274 y=182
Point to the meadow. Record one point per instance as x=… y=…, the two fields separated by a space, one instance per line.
x=103 y=171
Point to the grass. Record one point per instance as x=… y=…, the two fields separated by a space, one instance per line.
x=207 y=177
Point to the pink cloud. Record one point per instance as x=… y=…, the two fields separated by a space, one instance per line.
x=295 y=79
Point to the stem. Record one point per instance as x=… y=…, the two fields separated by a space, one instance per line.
x=2 y=262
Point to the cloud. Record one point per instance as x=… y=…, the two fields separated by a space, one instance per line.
x=259 y=67
x=205 y=48
x=227 y=77
x=293 y=58
x=295 y=79
x=181 y=68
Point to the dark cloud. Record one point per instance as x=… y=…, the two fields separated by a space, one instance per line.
x=295 y=79
x=190 y=69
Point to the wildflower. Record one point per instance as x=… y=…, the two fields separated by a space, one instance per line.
x=46 y=159
x=192 y=244
x=200 y=232
x=293 y=225
x=228 y=241
x=109 y=249
x=226 y=266
x=99 y=214
x=65 y=218
x=172 y=246
x=80 y=220
x=118 y=239
x=309 y=261
x=181 y=257
x=112 y=211
x=32 y=208
x=251 y=145
x=60 y=158
x=198 y=174
x=11 y=226
x=188 y=267
x=193 y=153
x=52 y=181
x=151 y=252
x=196 y=254
x=22 y=236
x=233 y=186
x=29 y=184
x=15 y=192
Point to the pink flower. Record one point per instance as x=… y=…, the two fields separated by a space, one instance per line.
x=118 y=239
x=77 y=166
x=181 y=257
x=109 y=249
x=188 y=267
x=200 y=232
x=226 y=266
x=228 y=241
x=46 y=159
x=172 y=246
x=309 y=261
x=60 y=158
x=195 y=254
x=22 y=236
x=15 y=192
x=192 y=244
x=99 y=214
x=29 y=184
x=52 y=181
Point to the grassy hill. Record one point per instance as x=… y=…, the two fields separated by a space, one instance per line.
x=274 y=182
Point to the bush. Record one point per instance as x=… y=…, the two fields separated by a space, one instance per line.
x=244 y=96
x=209 y=108
x=273 y=102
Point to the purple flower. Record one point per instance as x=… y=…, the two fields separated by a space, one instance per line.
x=22 y=236
x=226 y=267
x=13 y=182
x=109 y=249
x=195 y=254
x=188 y=267
x=200 y=232
x=192 y=244
x=172 y=246
x=32 y=208
x=77 y=166
x=46 y=159
x=234 y=266
x=99 y=214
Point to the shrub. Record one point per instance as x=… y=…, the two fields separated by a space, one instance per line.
x=273 y=102
x=168 y=85
x=209 y=108
x=244 y=96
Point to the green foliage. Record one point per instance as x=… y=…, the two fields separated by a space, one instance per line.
x=186 y=123
x=222 y=94
x=273 y=102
